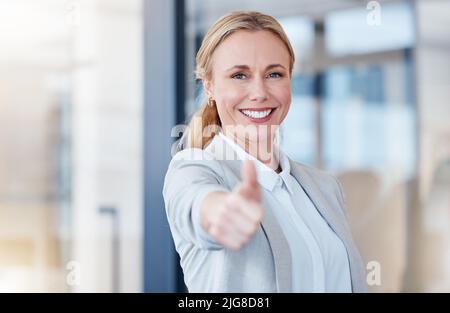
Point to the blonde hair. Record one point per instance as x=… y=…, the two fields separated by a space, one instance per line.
x=207 y=117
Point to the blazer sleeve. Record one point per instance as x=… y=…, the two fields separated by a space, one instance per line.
x=190 y=177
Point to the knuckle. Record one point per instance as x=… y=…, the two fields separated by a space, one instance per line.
x=222 y=213
x=217 y=232
x=247 y=237
x=254 y=228
x=215 y=221
x=231 y=207
x=248 y=230
x=238 y=246
x=214 y=231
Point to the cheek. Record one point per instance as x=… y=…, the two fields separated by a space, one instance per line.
x=283 y=95
x=227 y=99
x=230 y=96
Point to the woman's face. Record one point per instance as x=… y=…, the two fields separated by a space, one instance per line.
x=251 y=84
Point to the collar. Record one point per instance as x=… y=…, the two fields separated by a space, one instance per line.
x=267 y=177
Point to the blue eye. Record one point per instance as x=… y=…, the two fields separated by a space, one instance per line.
x=239 y=74
x=279 y=75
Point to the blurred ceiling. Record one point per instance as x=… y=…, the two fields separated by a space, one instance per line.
x=205 y=12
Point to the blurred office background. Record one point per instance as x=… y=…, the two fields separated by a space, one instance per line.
x=90 y=91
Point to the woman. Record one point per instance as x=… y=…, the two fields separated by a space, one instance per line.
x=245 y=217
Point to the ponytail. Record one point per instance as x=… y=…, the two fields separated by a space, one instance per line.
x=203 y=126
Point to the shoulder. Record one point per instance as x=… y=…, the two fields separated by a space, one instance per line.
x=318 y=175
x=194 y=156
x=194 y=161
x=325 y=180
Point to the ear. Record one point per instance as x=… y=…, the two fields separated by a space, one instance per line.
x=207 y=87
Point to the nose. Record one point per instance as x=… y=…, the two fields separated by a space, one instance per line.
x=258 y=90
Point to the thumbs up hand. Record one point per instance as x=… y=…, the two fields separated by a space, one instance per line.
x=248 y=188
x=233 y=218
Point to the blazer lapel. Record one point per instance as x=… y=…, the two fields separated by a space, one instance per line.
x=333 y=219
x=322 y=205
x=280 y=250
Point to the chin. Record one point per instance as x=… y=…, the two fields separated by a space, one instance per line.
x=257 y=133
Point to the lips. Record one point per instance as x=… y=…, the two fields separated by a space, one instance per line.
x=259 y=115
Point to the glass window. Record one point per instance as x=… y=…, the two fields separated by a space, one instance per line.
x=349 y=32
x=70 y=144
x=367 y=122
x=299 y=138
x=300 y=31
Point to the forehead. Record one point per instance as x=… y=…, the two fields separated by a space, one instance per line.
x=252 y=48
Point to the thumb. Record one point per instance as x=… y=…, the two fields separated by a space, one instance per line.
x=249 y=187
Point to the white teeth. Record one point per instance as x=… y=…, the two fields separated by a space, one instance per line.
x=257 y=114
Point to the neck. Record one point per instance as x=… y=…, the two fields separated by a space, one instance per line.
x=263 y=151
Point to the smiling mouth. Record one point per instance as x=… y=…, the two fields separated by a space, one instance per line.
x=258 y=115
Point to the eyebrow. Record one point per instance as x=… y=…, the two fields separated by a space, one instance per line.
x=246 y=67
